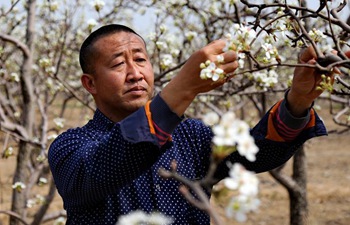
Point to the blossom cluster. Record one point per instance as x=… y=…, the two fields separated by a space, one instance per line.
x=240 y=38
x=167 y=45
x=264 y=79
x=37 y=200
x=46 y=64
x=231 y=134
x=246 y=201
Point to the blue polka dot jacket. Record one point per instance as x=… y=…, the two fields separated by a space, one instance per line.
x=104 y=169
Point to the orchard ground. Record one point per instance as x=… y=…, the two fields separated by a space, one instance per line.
x=328 y=162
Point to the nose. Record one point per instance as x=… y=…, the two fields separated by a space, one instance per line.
x=133 y=74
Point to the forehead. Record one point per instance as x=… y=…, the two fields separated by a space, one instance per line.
x=119 y=40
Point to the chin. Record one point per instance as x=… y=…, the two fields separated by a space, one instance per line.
x=136 y=104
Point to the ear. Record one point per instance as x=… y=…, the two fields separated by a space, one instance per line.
x=88 y=82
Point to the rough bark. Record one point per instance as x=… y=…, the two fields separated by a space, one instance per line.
x=27 y=120
x=296 y=187
x=298 y=196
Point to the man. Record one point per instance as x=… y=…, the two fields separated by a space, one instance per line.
x=110 y=166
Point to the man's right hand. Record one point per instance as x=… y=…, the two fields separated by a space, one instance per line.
x=185 y=86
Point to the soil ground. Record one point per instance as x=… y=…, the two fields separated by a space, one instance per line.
x=328 y=162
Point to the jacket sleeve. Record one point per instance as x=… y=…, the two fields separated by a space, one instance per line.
x=274 y=151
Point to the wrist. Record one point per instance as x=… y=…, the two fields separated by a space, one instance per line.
x=297 y=105
x=177 y=99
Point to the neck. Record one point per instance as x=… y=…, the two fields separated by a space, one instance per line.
x=114 y=116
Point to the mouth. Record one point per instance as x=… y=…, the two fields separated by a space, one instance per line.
x=136 y=90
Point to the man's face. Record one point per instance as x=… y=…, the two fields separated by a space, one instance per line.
x=123 y=75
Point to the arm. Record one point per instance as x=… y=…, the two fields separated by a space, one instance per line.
x=183 y=88
x=288 y=124
x=303 y=91
x=91 y=162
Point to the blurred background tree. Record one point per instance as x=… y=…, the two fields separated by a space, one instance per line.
x=41 y=95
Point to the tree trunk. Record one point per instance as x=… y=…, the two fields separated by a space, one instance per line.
x=298 y=196
x=296 y=187
x=21 y=172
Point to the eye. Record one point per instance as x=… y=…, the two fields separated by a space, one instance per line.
x=117 y=64
x=140 y=60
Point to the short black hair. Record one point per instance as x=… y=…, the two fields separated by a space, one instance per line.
x=86 y=49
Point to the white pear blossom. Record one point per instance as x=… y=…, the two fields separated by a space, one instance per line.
x=98 y=5
x=52 y=137
x=316 y=35
x=241 y=57
x=30 y=203
x=241 y=205
x=18 y=186
x=241 y=179
x=211 y=118
x=163 y=28
x=42 y=181
x=174 y=52
x=44 y=62
x=60 y=221
x=140 y=217
x=250 y=185
x=17 y=114
x=2 y=72
x=91 y=23
x=53 y=6
x=222 y=136
x=190 y=35
x=268 y=49
x=41 y=158
x=246 y=201
x=166 y=61
x=211 y=71
x=247 y=148
x=8 y=152
x=161 y=45
x=177 y=2
x=38 y=200
x=228 y=118
x=213 y=8
x=59 y=122
x=220 y=58
x=14 y=77
x=152 y=36
x=231 y=133
x=265 y=79
x=239 y=38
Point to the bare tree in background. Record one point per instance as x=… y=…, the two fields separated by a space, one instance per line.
x=39 y=74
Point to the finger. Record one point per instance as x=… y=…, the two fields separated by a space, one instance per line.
x=216 y=47
x=229 y=67
x=303 y=72
x=229 y=57
x=347 y=53
x=307 y=54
